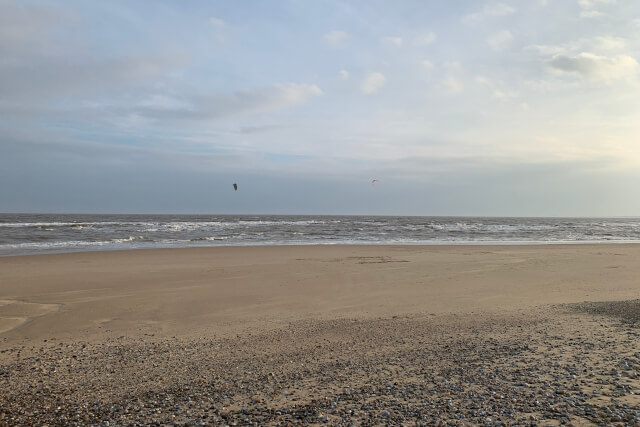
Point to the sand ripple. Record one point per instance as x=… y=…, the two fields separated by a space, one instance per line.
x=14 y=313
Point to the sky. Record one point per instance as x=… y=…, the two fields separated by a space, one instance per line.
x=508 y=108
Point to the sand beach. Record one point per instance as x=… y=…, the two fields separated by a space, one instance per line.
x=339 y=335
x=337 y=213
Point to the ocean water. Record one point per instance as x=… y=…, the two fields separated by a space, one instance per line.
x=46 y=233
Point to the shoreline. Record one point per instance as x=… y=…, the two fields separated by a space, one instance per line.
x=182 y=290
x=339 y=244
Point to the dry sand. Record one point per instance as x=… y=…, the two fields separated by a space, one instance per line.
x=322 y=334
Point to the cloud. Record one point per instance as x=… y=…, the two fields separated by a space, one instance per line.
x=344 y=74
x=203 y=107
x=425 y=39
x=590 y=14
x=335 y=38
x=39 y=79
x=259 y=129
x=596 y=67
x=427 y=64
x=489 y=11
x=373 y=82
x=41 y=58
x=27 y=29
x=500 y=91
x=499 y=9
x=165 y=102
x=453 y=65
x=587 y=4
x=546 y=50
x=589 y=7
x=601 y=45
x=500 y=40
x=219 y=28
x=294 y=93
x=505 y=95
x=217 y=22
x=610 y=44
x=392 y=41
x=452 y=84
x=161 y=110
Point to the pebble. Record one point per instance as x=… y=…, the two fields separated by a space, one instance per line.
x=489 y=369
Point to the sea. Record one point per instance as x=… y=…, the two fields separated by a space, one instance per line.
x=23 y=234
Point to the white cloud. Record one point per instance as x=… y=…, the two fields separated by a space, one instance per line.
x=373 y=82
x=489 y=10
x=546 y=50
x=217 y=22
x=336 y=38
x=499 y=9
x=505 y=95
x=392 y=41
x=589 y=7
x=427 y=64
x=344 y=74
x=500 y=40
x=590 y=14
x=452 y=84
x=219 y=27
x=165 y=102
x=472 y=18
x=295 y=93
x=610 y=44
x=603 y=45
x=499 y=90
x=453 y=65
x=425 y=39
x=586 y=4
x=596 y=67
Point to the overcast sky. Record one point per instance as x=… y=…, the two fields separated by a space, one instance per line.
x=505 y=108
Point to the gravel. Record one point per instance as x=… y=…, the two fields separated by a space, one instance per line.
x=626 y=311
x=550 y=365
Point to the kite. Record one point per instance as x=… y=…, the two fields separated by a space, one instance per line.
x=235 y=187
x=374 y=181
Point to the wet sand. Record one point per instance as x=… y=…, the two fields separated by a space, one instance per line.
x=322 y=334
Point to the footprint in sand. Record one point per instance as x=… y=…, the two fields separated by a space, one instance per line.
x=14 y=313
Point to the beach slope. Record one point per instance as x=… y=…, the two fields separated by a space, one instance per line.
x=336 y=334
